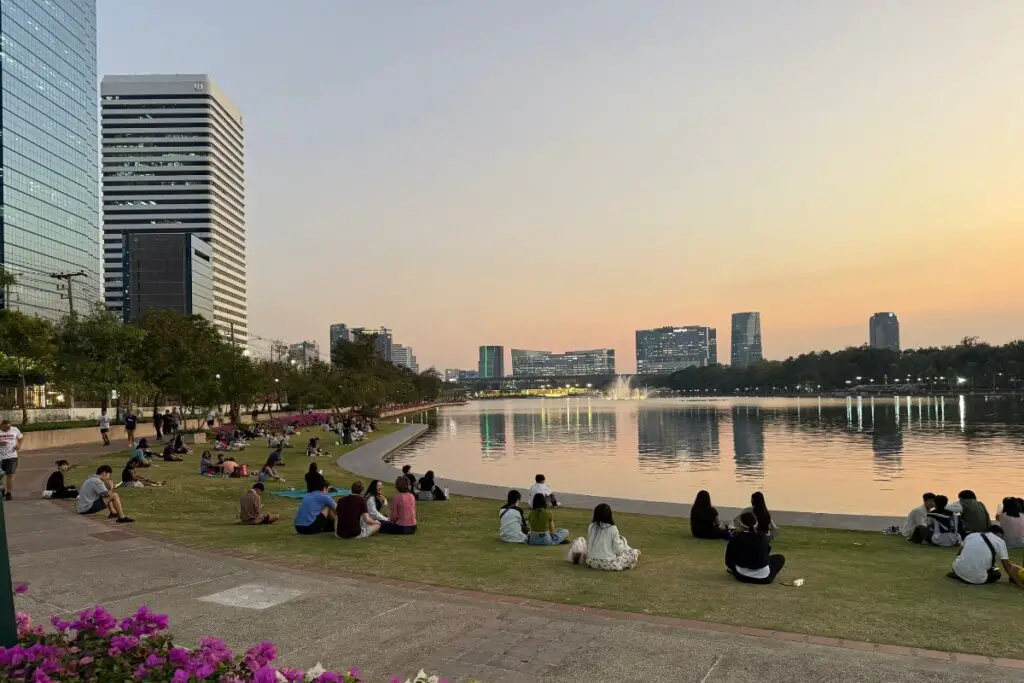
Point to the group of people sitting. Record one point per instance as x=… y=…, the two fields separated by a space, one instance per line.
x=97 y=493
x=748 y=555
x=351 y=427
x=984 y=545
x=223 y=466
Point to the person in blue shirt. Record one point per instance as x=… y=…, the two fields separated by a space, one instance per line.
x=317 y=513
x=142 y=454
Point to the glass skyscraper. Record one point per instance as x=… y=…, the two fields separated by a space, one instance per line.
x=492 y=362
x=166 y=271
x=568 y=364
x=746 y=339
x=884 y=331
x=665 y=350
x=50 y=179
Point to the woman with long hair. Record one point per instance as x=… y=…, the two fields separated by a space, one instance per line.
x=375 y=500
x=704 y=519
x=759 y=509
x=607 y=549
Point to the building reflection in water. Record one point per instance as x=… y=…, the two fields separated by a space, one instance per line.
x=492 y=432
x=748 y=442
x=886 y=442
x=667 y=436
x=565 y=420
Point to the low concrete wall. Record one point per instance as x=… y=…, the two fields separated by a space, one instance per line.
x=58 y=438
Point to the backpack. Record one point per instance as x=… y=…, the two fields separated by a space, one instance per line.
x=243 y=470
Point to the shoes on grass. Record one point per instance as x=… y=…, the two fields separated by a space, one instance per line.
x=125 y=520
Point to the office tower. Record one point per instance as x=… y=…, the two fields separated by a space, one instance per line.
x=304 y=353
x=665 y=350
x=49 y=201
x=340 y=332
x=469 y=375
x=451 y=375
x=173 y=162
x=746 y=339
x=403 y=356
x=382 y=339
x=884 y=331
x=166 y=271
x=569 y=364
x=492 y=362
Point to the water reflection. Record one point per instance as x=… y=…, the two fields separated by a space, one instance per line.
x=886 y=442
x=668 y=435
x=748 y=442
x=492 y=432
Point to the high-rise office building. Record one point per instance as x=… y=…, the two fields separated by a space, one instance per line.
x=304 y=353
x=403 y=356
x=382 y=340
x=568 y=364
x=49 y=202
x=492 y=362
x=173 y=162
x=884 y=331
x=665 y=350
x=340 y=332
x=746 y=339
x=166 y=271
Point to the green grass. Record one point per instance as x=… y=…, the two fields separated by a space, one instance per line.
x=859 y=585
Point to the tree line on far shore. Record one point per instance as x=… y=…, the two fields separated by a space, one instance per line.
x=971 y=365
x=170 y=357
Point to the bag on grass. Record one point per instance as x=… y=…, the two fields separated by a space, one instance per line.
x=577 y=551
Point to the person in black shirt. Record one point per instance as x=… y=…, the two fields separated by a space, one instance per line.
x=314 y=479
x=704 y=519
x=747 y=555
x=427 y=485
x=55 y=484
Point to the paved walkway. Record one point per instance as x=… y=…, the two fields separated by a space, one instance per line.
x=393 y=628
x=368 y=461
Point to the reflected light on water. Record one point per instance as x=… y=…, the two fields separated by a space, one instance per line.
x=667 y=450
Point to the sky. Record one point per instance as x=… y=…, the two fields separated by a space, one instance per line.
x=557 y=175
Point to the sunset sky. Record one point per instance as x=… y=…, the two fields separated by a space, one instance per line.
x=554 y=175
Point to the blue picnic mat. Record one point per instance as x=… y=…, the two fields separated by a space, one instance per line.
x=300 y=494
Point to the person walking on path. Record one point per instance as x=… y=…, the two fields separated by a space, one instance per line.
x=10 y=442
x=158 y=421
x=131 y=421
x=105 y=427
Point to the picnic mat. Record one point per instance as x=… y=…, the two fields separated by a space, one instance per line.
x=300 y=494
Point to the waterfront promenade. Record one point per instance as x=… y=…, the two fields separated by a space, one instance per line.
x=389 y=627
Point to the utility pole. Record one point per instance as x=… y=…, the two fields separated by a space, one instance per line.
x=69 y=278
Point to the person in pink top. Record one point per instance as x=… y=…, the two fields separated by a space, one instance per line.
x=1011 y=518
x=403 y=510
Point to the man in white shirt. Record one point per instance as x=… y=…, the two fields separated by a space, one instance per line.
x=96 y=495
x=105 y=427
x=540 y=486
x=10 y=442
x=981 y=551
x=915 y=528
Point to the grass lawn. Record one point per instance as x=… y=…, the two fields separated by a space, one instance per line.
x=859 y=585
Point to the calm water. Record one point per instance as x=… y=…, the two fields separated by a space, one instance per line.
x=837 y=457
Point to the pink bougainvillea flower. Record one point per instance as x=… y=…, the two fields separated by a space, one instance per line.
x=21 y=588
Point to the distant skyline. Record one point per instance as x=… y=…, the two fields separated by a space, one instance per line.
x=557 y=176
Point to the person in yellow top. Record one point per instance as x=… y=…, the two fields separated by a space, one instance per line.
x=542 y=524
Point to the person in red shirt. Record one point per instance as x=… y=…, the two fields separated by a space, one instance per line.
x=354 y=520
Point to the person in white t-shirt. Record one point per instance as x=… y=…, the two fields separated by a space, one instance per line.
x=979 y=555
x=105 y=427
x=540 y=486
x=10 y=442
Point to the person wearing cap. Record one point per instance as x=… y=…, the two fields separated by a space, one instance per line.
x=979 y=555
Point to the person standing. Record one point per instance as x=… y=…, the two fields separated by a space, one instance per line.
x=105 y=427
x=158 y=421
x=10 y=442
x=131 y=421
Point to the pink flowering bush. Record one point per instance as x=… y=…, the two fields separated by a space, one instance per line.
x=96 y=646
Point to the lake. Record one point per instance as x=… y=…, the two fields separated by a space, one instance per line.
x=863 y=456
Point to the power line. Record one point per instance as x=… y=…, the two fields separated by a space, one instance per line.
x=69 y=278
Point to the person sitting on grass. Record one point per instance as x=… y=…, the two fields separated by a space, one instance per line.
x=915 y=528
x=431 y=490
x=981 y=552
x=251 y=507
x=607 y=549
x=179 y=446
x=131 y=479
x=512 y=527
x=765 y=525
x=313 y=448
x=55 y=485
x=943 y=526
x=277 y=456
x=1011 y=518
x=269 y=473
x=314 y=478
x=540 y=486
x=317 y=513
x=407 y=473
x=207 y=465
x=704 y=519
x=748 y=555
x=354 y=520
x=542 y=524
x=96 y=495
x=375 y=500
x=169 y=455
x=403 y=510
x=142 y=454
x=973 y=513
x=228 y=465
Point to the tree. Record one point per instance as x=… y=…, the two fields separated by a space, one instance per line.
x=7 y=281
x=26 y=344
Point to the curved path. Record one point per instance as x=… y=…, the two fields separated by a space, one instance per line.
x=369 y=461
